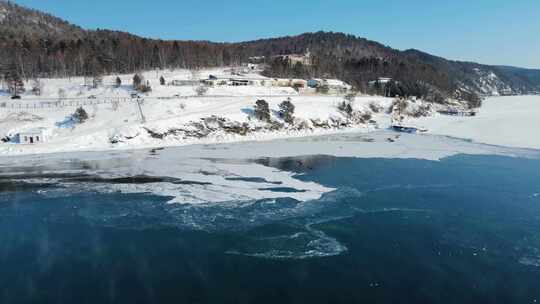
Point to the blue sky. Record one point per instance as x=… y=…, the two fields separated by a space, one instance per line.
x=486 y=31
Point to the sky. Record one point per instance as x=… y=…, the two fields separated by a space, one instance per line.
x=501 y=32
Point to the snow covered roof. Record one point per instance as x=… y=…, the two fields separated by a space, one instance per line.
x=33 y=131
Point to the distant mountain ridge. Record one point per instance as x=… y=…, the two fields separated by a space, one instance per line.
x=39 y=44
x=18 y=20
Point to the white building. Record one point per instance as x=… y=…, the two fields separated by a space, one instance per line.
x=382 y=81
x=185 y=83
x=32 y=136
x=335 y=86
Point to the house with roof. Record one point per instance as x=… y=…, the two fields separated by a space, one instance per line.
x=335 y=86
x=31 y=136
x=381 y=81
x=185 y=82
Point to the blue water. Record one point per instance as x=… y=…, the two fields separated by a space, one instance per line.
x=462 y=230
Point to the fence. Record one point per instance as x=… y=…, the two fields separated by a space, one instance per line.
x=58 y=104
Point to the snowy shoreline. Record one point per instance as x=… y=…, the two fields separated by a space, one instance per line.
x=179 y=120
x=491 y=118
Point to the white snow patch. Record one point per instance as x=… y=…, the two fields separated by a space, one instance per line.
x=504 y=121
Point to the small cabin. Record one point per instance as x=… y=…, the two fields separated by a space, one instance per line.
x=34 y=136
x=381 y=81
x=239 y=82
x=184 y=83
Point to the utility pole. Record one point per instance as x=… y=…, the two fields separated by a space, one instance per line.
x=143 y=119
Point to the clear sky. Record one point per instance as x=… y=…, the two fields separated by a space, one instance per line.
x=486 y=31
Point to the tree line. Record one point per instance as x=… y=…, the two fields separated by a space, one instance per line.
x=54 y=48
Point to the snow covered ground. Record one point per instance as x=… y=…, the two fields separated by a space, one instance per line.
x=162 y=115
x=175 y=116
x=115 y=121
x=504 y=121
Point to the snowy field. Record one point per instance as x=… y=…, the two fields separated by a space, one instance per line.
x=504 y=121
x=162 y=115
x=173 y=115
x=116 y=121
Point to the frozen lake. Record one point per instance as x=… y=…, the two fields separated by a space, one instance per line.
x=306 y=220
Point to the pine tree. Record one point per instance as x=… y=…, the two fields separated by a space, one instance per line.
x=97 y=81
x=137 y=81
x=262 y=110
x=118 y=82
x=286 y=111
x=80 y=115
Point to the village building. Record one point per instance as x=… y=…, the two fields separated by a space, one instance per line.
x=208 y=82
x=293 y=59
x=184 y=83
x=313 y=83
x=257 y=59
x=334 y=86
x=381 y=81
x=239 y=82
x=31 y=136
x=279 y=82
x=298 y=83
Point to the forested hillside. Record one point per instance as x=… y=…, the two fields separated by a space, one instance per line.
x=36 y=44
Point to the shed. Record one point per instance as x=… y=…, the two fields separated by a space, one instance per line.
x=32 y=136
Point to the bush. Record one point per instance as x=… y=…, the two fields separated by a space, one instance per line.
x=80 y=115
x=399 y=105
x=350 y=97
x=140 y=85
x=375 y=108
x=286 y=111
x=365 y=117
x=472 y=99
x=137 y=81
x=145 y=88
x=262 y=110
x=37 y=87
x=346 y=108
x=162 y=80
x=201 y=90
